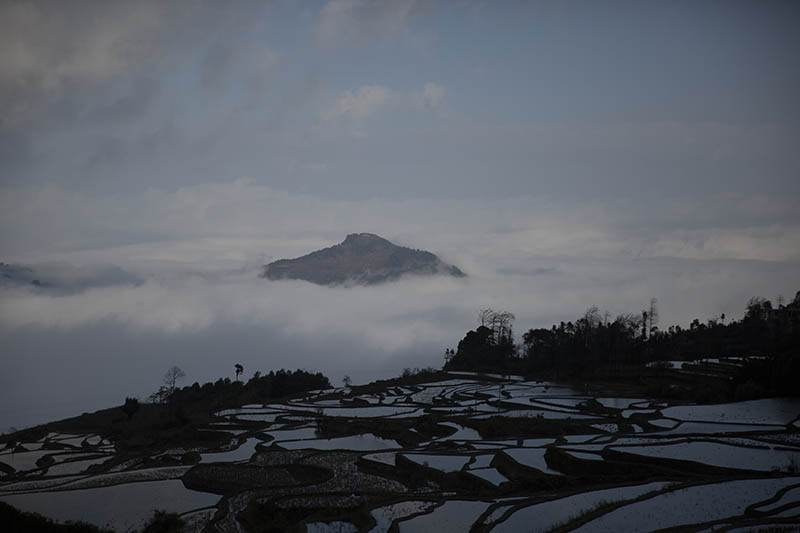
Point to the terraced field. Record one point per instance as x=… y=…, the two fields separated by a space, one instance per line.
x=472 y=453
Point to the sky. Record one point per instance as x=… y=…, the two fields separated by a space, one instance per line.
x=154 y=155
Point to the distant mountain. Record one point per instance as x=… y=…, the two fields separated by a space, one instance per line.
x=63 y=277
x=363 y=259
x=18 y=275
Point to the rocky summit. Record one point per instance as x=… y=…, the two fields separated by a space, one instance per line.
x=362 y=259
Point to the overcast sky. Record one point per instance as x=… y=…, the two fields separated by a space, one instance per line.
x=564 y=154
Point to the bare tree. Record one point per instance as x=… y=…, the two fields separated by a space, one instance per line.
x=503 y=321
x=758 y=308
x=485 y=316
x=347 y=381
x=652 y=316
x=171 y=378
x=448 y=354
x=591 y=318
x=497 y=321
x=165 y=391
x=589 y=322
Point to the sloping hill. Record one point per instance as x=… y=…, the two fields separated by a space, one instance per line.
x=364 y=259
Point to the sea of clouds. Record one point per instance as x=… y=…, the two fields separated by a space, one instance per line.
x=139 y=283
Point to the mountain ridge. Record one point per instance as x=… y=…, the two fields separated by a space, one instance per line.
x=362 y=259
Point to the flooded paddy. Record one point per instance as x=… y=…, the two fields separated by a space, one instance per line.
x=697 y=505
x=384 y=516
x=542 y=517
x=121 y=507
x=452 y=515
x=355 y=442
x=722 y=455
x=240 y=453
x=492 y=475
x=445 y=463
x=770 y=411
x=533 y=458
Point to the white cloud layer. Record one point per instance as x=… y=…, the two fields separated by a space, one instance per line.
x=227 y=224
x=357 y=105
x=41 y=51
x=431 y=96
x=343 y=21
x=190 y=295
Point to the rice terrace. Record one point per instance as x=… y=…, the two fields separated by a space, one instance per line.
x=455 y=451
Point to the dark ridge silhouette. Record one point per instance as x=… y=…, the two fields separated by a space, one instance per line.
x=18 y=275
x=756 y=356
x=64 y=278
x=362 y=259
x=16 y=520
x=177 y=415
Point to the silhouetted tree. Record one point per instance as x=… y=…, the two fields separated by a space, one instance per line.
x=498 y=322
x=485 y=316
x=166 y=391
x=448 y=354
x=591 y=343
x=172 y=377
x=239 y=369
x=758 y=308
x=130 y=407
x=164 y=522
x=260 y=388
x=486 y=348
x=652 y=316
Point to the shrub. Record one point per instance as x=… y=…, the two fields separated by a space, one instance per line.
x=164 y=522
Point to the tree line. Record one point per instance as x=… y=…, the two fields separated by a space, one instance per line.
x=225 y=393
x=595 y=342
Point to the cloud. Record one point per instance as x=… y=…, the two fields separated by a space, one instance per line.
x=775 y=243
x=227 y=62
x=348 y=20
x=367 y=100
x=225 y=225
x=198 y=301
x=400 y=317
x=431 y=96
x=46 y=47
x=61 y=278
x=121 y=339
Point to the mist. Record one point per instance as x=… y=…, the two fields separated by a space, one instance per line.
x=193 y=297
x=154 y=156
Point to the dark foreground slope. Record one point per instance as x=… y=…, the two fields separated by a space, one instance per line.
x=364 y=259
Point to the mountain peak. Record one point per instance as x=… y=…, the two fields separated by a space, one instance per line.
x=364 y=239
x=362 y=258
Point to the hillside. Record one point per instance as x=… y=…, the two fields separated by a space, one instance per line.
x=363 y=259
